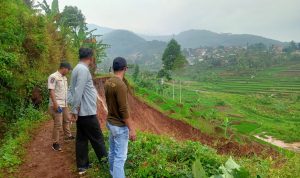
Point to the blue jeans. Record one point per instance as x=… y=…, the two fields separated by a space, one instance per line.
x=118 y=148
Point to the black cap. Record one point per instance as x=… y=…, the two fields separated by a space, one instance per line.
x=65 y=65
x=119 y=64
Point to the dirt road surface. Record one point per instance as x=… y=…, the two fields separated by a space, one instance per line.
x=42 y=162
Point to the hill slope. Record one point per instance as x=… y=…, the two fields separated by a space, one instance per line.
x=147 y=50
x=134 y=48
x=197 y=38
x=99 y=30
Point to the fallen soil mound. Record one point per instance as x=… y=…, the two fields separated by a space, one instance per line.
x=148 y=119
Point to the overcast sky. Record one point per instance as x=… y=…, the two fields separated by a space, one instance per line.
x=277 y=19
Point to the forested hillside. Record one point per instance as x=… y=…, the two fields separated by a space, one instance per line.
x=34 y=39
x=31 y=47
x=134 y=48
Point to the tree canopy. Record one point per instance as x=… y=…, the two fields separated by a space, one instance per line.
x=172 y=59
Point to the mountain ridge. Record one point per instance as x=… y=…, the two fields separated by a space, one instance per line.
x=195 y=38
x=147 y=50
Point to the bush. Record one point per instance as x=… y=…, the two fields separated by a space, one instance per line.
x=157 y=156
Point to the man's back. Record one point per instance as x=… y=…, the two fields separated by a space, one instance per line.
x=83 y=91
x=116 y=99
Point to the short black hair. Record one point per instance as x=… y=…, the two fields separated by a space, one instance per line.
x=65 y=64
x=119 y=64
x=85 y=53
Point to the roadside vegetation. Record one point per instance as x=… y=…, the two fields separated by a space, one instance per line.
x=34 y=39
x=165 y=157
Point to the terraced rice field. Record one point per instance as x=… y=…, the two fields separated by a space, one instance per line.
x=282 y=81
x=268 y=102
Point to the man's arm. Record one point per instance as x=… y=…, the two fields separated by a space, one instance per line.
x=102 y=103
x=53 y=99
x=123 y=109
x=132 y=133
x=80 y=81
x=51 y=87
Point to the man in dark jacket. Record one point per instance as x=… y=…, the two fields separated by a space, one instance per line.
x=119 y=122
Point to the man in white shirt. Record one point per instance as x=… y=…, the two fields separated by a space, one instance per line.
x=58 y=88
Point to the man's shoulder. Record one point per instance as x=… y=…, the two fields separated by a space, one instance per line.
x=118 y=82
x=114 y=83
x=79 y=68
x=53 y=75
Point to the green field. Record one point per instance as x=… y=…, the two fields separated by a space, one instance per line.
x=268 y=102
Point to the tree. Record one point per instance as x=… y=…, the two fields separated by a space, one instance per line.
x=164 y=73
x=29 y=3
x=50 y=12
x=72 y=26
x=291 y=47
x=172 y=56
x=136 y=72
x=98 y=48
x=73 y=18
x=172 y=59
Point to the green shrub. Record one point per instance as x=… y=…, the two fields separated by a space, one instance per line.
x=158 y=156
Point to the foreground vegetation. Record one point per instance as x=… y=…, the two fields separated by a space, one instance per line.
x=165 y=157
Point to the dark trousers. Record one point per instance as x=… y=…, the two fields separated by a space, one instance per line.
x=88 y=129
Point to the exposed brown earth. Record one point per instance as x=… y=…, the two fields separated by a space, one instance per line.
x=42 y=162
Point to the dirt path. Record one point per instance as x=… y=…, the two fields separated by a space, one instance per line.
x=290 y=146
x=42 y=162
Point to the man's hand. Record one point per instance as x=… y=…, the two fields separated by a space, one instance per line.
x=55 y=107
x=102 y=103
x=132 y=135
x=105 y=108
x=74 y=117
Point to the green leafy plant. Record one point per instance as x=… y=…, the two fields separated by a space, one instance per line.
x=226 y=123
x=230 y=170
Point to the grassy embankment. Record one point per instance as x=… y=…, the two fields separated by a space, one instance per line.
x=18 y=135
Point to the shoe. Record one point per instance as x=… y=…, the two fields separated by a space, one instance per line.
x=56 y=147
x=82 y=171
x=70 y=138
